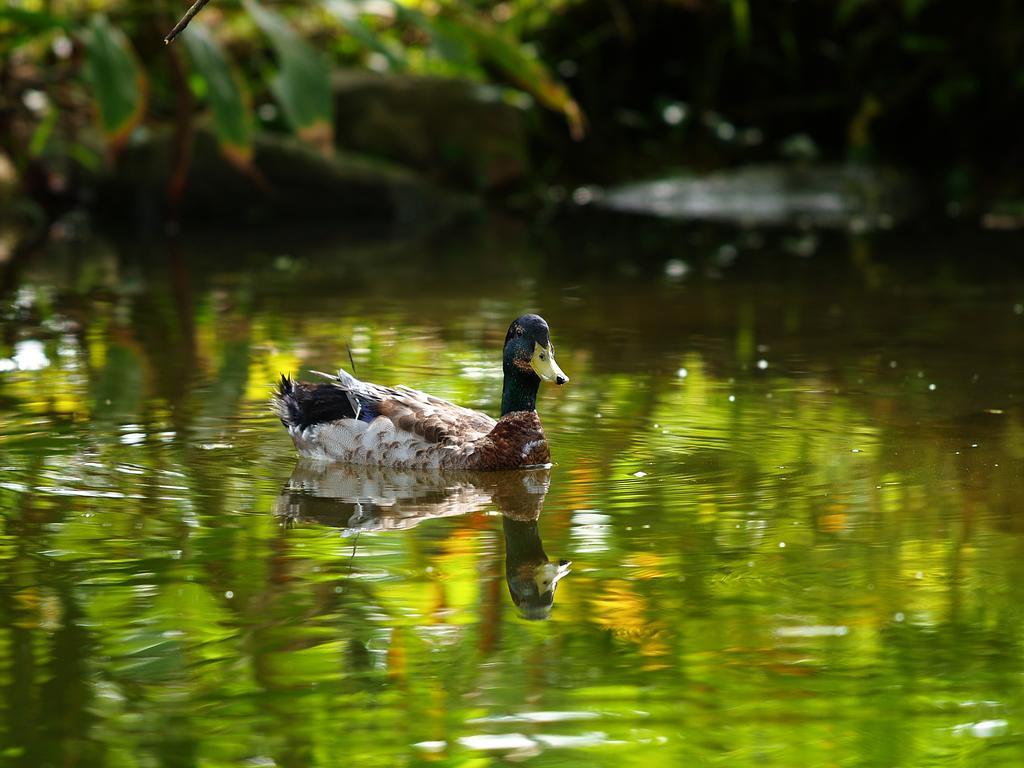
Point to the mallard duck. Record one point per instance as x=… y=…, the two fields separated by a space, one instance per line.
x=348 y=420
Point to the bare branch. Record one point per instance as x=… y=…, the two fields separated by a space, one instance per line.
x=189 y=15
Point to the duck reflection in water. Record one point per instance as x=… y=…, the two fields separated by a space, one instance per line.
x=359 y=498
x=530 y=576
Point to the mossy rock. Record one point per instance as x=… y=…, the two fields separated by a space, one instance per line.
x=455 y=132
x=288 y=180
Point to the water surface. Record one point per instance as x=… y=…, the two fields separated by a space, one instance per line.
x=788 y=476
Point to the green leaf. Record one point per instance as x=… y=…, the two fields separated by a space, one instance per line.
x=226 y=91
x=43 y=132
x=501 y=51
x=847 y=9
x=448 y=39
x=18 y=26
x=741 y=22
x=465 y=38
x=924 y=44
x=118 y=82
x=913 y=8
x=453 y=44
x=302 y=86
x=349 y=16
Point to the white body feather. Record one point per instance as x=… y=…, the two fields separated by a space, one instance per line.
x=381 y=441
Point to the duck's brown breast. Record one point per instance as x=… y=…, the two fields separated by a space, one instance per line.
x=517 y=440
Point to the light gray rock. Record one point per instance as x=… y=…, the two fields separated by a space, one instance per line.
x=824 y=196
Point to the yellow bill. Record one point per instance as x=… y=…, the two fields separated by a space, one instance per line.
x=543 y=363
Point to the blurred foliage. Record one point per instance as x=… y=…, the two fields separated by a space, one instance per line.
x=705 y=83
x=41 y=63
x=229 y=97
x=664 y=84
x=303 y=85
x=118 y=83
x=153 y=610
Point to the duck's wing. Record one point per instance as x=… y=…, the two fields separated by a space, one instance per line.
x=300 y=406
x=432 y=418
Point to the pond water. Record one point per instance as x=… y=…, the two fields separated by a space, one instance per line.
x=789 y=472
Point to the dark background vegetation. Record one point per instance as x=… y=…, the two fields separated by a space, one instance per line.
x=934 y=85
x=650 y=88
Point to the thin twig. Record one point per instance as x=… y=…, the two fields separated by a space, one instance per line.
x=189 y=15
x=351 y=561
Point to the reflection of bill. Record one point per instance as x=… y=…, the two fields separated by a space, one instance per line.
x=531 y=577
x=370 y=498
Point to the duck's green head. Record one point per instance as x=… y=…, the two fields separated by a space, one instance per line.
x=529 y=357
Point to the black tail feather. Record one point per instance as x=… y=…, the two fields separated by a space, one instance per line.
x=300 y=404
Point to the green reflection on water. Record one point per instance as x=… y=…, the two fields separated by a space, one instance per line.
x=811 y=560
